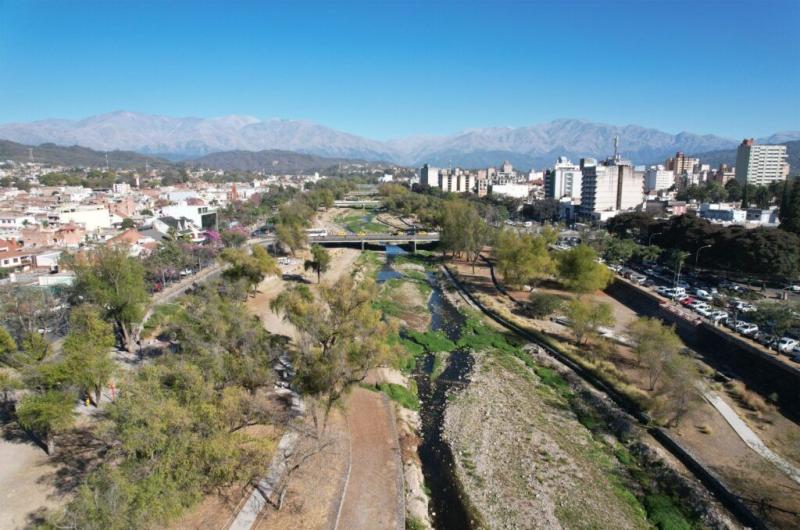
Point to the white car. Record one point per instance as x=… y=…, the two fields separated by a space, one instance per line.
x=744 y=307
x=746 y=328
x=705 y=311
x=717 y=316
x=794 y=288
x=786 y=344
x=702 y=294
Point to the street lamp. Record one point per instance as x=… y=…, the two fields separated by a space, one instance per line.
x=650 y=237
x=697 y=255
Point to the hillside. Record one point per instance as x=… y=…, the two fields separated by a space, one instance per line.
x=728 y=156
x=273 y=160
x=76 y=156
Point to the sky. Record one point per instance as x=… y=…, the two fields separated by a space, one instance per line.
x=387 y=69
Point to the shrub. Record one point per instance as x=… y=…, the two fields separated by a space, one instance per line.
x=432 y=341
x=541 y=305
x=662 y=512
x=405 y=397
x=748 y=398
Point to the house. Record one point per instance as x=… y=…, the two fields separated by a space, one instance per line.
x=139 y=243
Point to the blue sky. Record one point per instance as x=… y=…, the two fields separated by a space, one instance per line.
x=389 y=69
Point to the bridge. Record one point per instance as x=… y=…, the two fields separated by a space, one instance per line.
x=364 y=239
x=354 y=203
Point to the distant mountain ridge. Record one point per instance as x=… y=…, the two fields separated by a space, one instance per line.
x=536 y=145
x=75 y=156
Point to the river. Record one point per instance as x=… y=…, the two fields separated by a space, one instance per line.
x=447 y=509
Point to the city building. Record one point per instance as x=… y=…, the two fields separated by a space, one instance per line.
x=201 y=216
x=609 y=187
x=681 y=164
x=456 y=181
x=564 y=180
x=658 y=178
x=429 y=176
x=760 y=164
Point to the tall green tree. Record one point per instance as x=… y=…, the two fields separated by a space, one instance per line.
x=580 y=272
x=252 y=268
x=87 y=351
x=790 y=207
x=656 y=345
x=111 y=279
x=522 y=258
x=47 y=415
x=586 y=317
x=343 y=334
x=320 y=261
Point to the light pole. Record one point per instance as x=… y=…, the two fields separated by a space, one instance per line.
x=697 y=254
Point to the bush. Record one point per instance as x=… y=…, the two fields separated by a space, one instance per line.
x=541 y=305
x=748 y=398
x=662 y=512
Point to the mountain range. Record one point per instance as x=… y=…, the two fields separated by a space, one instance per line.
x=532 y=146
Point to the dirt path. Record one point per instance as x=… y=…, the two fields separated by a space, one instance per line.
x=26 y=484
x=372 y=498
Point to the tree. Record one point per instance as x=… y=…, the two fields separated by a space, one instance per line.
x=86 y=350
x=320 y=261
x=619 y=250
x=585 y=317
x=680 y=387
x=8 y=347
x=113 y=280
x=463 y=231
x=542 y=210
x=47 y=415
x=649 y=253
x=777 y=317
x=522 y=258
x=252 y=268
x=790 y=206
x=656 y=345
x=342 y=335
x=579 y=270
x=233 y=238
x=127 y=224
x=292 y=236
x=543 y=304
x=734 y=190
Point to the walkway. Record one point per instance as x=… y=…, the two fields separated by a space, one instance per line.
x=374 y=496
x=751 y=438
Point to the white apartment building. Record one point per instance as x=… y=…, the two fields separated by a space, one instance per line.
x=564 y=180
x=91 y=216
x=511 y=189
x=658 y=178
x=609 y=187
x=760 y=164
x=456 y=181
x=429 y=176
x=202 y=217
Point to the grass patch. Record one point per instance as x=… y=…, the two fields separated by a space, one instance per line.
x=664 y=514
x=413 y=523
x=409 y=351
x=432 y=341
x=439 y=364
x=402 y=395
x=361 y=223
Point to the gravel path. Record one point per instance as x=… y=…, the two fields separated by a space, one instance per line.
x=751 y=438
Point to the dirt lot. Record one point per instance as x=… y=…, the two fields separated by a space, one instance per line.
x=768 y=490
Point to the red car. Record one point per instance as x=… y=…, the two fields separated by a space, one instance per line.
x=688 y=300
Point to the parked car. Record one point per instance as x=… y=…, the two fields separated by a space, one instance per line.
x=744 y=307
x=704 y=310
x=688 y=300
x=703 y=294
x=765 y=339
x=794 y=288
x=718 y=316
x=787 y=344
x=746 y=328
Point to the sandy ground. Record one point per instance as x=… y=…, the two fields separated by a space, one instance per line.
x=25 y=485
x=371 y=496
x=315 y=489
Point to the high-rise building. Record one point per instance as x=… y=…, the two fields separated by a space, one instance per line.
x=680 y=164
x=760 y=164
x=429 y=176
x=564 y=180
x=609 y=187
x=724 y=174
x=657 y=178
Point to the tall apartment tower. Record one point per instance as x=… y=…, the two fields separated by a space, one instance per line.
x=564 y=180
x=429 y=176
x=609 y=187
x=760 y=164
x=680 y=164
